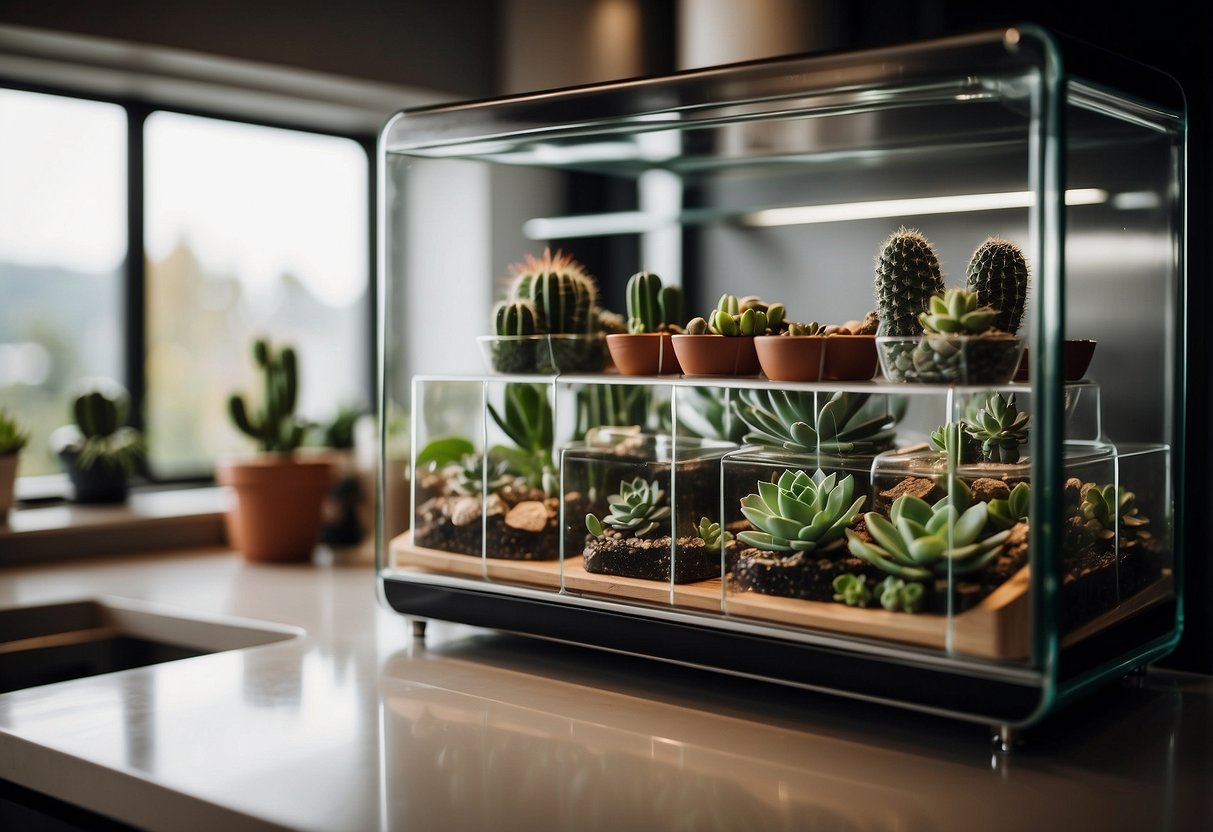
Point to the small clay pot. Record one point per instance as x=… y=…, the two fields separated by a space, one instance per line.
x=716 y=355
x=1075 y=359
x=849 y=358
x=277 y=512
x=643 y=354
x=791 y=358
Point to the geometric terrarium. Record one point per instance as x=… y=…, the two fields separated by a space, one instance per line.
x=979 y=518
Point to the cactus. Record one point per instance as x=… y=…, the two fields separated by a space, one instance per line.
x=12 y=437
x=517 y=317
x=635 y=511
x=1000 y=428
x=800 y=513
x=956 y=312
x=651 y=306
x=274 y=427
x=563 y=294
x=918 y=540
x=998 y=274
x=848 y=423
x=907 y=275
x=100 y=432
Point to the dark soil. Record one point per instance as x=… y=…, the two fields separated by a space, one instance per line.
x=1094 y=580
x=649 y=558
x=451 y=522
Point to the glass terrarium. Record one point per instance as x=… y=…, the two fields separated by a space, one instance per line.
x=978 y=517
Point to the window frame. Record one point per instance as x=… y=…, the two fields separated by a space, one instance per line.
x=133 y=285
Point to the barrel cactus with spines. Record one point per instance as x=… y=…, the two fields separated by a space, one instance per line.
x=274 y=426
x=517 y=317
x=563 y=294
x=907 y=276
x=998 y=274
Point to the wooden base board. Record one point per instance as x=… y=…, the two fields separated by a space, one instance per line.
x=544 y=573
x=997 y=628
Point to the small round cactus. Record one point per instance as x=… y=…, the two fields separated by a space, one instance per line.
x=907 y=276
x=563 y=294
x=998 y=273
x=514 y=318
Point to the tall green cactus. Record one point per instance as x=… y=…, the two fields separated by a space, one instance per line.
x=907 y=276
x=563 y=294
x=998 y=273
x=99 y=413
x=275 y=427
x=651 y=306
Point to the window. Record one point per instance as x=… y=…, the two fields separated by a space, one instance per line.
x=248 y=230
x=63 y=237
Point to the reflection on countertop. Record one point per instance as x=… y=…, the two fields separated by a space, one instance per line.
x=356 y=726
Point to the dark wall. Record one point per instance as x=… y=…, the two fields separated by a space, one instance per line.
x=448 y=46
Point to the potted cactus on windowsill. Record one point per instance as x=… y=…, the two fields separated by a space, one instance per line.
x=99 y=451
x=12 y=440
x=277 y=512
x=653 y=314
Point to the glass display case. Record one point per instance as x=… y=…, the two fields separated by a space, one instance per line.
x=959 y=492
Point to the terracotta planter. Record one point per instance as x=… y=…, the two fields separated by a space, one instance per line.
x=817 y=357
x=1075 y=359
x=8 y=479
x=277 y=512
x=645 y=354
x=716 y=355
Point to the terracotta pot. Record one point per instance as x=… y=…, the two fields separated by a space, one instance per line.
x=8 y=479
x=1075 y=359
x=644 y=354
x=817 y=357
x=716 y=355
x=277 y=512
x=788 y=358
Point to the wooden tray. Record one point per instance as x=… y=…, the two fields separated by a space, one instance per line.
x=544 y=573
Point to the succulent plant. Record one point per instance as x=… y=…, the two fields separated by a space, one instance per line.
x=799 y=513
x=954 y=440
x=798 y=330
x=473 y=478
x=956 y=312
x=274 y=427
x=12 y=437
x=746 y=317
x=1000 y=427
x=998 y=274
x=907 y=275
x=634 y=512
x=707 y=414
x=896 y=595
x=848 y=423
x=711 y=533
x=1014 y=509
x=918 y=540
x=1103 y=505
x=611 y=405
x=563 y=294
x=515 y=317
x=651 y=306
x=852 y=590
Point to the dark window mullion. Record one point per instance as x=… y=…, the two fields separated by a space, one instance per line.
x=135 y=277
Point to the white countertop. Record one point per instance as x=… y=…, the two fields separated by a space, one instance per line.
x=354 y=726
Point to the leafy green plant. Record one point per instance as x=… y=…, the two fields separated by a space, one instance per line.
x=848 y=423
x=527 y=421
x=635 y=511
x=799 y=513
x=100 y=432
x=611 y=405
x=998 y=274
x=274 y=426
x=907 y=275
x=339 y=432
x=651 y=306
x=918 y=540
x=12 y=437
x=444 y=451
